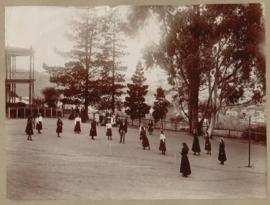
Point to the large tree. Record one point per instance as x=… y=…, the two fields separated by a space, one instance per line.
x=209 y=47
x=79 y=76
x=135 y=104
x=112 y=77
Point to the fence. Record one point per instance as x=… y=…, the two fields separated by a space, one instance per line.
x=24 y=112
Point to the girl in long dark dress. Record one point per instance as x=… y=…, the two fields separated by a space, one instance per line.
x=222 y=154
x=185 y=165
x=207 y=146
x=196 y=144
x=93 y=129
x=59 y=128
x=162 y=144
x=29 y=128
x=143 y=137
x=77 y=122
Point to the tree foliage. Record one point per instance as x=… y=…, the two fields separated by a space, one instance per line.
x=160 y=105
x=91 y=75
x=212 y=50
x=135 y=104
x=51 y=96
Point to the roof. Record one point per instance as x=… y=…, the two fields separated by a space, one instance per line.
x=19 y=51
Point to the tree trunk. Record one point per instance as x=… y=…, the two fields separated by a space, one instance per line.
x=212 y=124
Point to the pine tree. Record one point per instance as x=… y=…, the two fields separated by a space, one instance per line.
x=86 y=36
x=135 y=102
x=160 y=106
x=112 y=77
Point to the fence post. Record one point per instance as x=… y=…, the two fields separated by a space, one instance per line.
x=249 y=140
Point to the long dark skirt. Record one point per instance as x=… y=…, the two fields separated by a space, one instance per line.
x=39 y=126
x=196 y=145
x=59 y=129
x=162 y=145
x=222 y=155
x=29 y=129
x=145 y=141
x=207 y=145
x=93 y=132
x=109 y=132
x=185 y=166
x=77 y=127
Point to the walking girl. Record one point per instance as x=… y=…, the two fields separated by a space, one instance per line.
x=39 y=121
x=109 y=130
x=77 y=123
x=185 y=165
x=59 y=128
x=162 y=144
x=29 y=128
x=143 y=137
x=196 y=144
x=93 y=129
x=222 y=154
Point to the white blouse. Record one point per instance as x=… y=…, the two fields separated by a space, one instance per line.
x=77 y=119
x=108 y=125
x=162 y=137
x=39 y=119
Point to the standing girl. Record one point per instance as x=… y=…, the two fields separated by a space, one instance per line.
x=59 y=128
x=185 y=166
x=196 y=144
x=222 y=154
x=29 y=128
x=109 y=130
x=143 y=137
x=77 y=123
x=93 y=129
x=162 y=144
x=39 y=123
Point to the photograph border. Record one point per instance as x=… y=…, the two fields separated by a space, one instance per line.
x=66 y=3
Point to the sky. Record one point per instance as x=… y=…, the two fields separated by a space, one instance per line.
x=44 y=29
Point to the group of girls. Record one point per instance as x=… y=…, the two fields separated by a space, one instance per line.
x=145 y=141
x=184 y=165
x=33 y=122
x=93 y=130
x=37 y=123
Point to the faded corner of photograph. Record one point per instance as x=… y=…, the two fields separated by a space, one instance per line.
x=135 y=102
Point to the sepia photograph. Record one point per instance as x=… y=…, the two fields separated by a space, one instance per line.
x=135 y=102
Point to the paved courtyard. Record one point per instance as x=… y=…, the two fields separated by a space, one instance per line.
x=75 y=167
